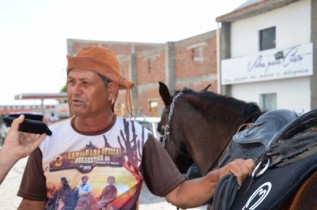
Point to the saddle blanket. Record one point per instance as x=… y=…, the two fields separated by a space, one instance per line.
x=273 y=189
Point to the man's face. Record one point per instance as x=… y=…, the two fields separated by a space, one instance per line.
x=86 y=92
x=84 y=180
x=111 y=180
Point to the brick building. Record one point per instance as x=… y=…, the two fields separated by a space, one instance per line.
x=186 y=63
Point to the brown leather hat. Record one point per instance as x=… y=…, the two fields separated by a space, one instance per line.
x=102 y=61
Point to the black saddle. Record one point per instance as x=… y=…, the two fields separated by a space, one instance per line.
x=292 y=148
x=254 y=140
x=295 y=138
x=270 y=191
x=265 y=127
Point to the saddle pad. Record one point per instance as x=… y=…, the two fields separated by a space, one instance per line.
x=271 y=190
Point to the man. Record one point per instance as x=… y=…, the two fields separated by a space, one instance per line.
x=62 y=194
x=109 y=193
x=16 y=145
x=84 y=188
x=53 y=118
x=96 y=142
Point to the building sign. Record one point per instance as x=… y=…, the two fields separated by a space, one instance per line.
x=296 y=61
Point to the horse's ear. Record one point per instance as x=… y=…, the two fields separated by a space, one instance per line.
x=164 y=93
x=206 y=88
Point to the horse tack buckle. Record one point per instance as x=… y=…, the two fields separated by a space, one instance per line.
x=165 y=135
x=257 y=172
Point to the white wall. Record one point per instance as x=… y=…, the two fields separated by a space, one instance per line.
x=293 y=27
x=292 y=24
x=293 y=94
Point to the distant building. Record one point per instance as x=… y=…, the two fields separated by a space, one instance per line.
x=186 y=63
x=263 y=53
x=60 y=109
x=266 y=53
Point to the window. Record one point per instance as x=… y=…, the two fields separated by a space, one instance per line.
x=197 y=52
x=268 y=101
x=153 y=108
x=267 y=38
x=197 y=55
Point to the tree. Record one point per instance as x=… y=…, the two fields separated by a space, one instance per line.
x=63 y=90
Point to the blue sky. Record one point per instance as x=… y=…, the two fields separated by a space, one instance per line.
x=34 y=32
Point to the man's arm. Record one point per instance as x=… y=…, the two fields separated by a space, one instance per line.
x=197 y=192
x=31 y=205
x=17 y=145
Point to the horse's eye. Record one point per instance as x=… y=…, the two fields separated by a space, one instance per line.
x=161 y=139
x=159 y=129
x=162 y=129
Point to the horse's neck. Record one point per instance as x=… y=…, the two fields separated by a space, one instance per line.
x=206 y=139
x=206 y=145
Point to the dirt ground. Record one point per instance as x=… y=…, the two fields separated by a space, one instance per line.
x=9 y=188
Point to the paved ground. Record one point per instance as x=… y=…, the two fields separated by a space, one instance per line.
x=9 y=187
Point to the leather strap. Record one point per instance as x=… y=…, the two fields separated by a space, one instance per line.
x=294 y=142
x=225 y=192
x=285 y=152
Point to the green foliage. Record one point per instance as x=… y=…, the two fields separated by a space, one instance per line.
x=63 y=90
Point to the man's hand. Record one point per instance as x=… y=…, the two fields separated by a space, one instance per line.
x=242 y=169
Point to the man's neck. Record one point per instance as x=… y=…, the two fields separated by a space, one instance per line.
x=94 y=124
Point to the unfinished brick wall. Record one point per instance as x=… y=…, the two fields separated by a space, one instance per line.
x=150 y=68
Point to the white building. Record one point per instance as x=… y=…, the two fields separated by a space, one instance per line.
x=266 y=54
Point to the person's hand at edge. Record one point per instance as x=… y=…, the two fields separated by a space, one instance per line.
x=17 y=145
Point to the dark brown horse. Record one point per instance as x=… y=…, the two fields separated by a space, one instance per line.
x=200 y=115
x=197 y=127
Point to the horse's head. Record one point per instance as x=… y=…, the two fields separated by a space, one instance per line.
x=197 y=126
x=169 y=138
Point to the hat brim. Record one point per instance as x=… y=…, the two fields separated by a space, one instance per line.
x=93 y=64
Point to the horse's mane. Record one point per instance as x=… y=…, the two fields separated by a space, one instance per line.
x=220 y=108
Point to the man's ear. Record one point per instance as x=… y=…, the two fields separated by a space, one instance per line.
x=113 y=89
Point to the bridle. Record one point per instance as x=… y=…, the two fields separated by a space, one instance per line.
x=166 y=127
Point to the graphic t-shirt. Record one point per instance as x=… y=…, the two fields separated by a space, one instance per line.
x=86 y=163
